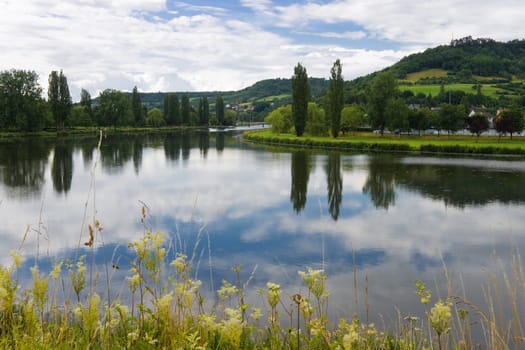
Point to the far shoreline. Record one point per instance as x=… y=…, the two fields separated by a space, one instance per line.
x=484 y=146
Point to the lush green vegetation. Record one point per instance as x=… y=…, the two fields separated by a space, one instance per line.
x=396 y=143
x=450 y=71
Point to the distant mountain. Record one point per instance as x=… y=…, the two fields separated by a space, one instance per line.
x=276 y=91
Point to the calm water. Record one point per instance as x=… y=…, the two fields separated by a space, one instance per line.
x=390 y=218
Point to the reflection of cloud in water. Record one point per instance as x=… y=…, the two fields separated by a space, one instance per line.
x=243 y=198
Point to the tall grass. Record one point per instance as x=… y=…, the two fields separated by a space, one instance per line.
x=64 y=309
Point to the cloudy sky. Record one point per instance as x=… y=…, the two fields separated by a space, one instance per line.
x=166 y=45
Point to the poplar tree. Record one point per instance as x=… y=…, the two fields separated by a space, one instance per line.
x=300 y=98
x=85 y=101
x=59 y=98
x=136 y=108
x=219 y=110
x=204 y=111
x=335 y=98
x=172 y=109
x=185 y=109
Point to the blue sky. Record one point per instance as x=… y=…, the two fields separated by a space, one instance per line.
x=160 y=45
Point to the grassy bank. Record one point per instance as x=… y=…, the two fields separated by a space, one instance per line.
x=89 y=131
x=485 y=145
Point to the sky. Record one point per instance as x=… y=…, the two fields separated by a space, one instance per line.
x=205 y=45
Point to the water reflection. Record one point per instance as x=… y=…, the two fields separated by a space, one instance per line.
x=380 y=183
x=137 y=154
x=115 y=152
x=219 y=141
x=186 y=145
x=87 y=147
x=22 y=167
x=334 y=184
x=172 y=147
x=301 y=167
x=204 y=143
x=62 y=166
x=248 y=198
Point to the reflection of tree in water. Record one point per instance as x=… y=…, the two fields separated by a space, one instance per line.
x=186 y=145
x=204 y=143
x=219 y=141
x=334 y=184
x=455 y=184
x=87 y=147
x=62 y=166
x=460 y=185
x=172 y=144
x=301 y=166
x=137 y=153
x=115 y=152
x=23 y=165
x=380 y=184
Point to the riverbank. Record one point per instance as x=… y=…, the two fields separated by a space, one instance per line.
x=369 y=142
x=87 y=131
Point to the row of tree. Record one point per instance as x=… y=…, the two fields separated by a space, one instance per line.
x=384 y=109
x=22 y=107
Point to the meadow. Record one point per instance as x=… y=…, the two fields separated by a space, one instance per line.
x=427 y=144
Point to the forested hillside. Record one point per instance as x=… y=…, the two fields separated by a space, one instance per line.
x=485 y=71
x=466 y=58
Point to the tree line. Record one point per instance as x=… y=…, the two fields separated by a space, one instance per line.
x=23 y=108
x=384 y=109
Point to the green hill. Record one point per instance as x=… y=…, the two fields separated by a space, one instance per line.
x=465 y=67
x=265 y=92
x=462 y=68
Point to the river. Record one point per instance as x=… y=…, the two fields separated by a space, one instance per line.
x=374 y=222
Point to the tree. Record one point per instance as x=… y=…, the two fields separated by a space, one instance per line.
x=280 y=119
x=85 y=101
x=230 y=117
x=79 y=117
x=114 y=109
x=335 y=98
x=419 y=119
x=477 y=124
x=300 y=98
x=396 y=114
x=21 y=105
x=451 y=118
x=315 y=120
x=219 y=110
x=185 y=109
x=59 y=98
x=510 y=120
x=383 y=88
x=204 y=111
x=352 y=118
x=136 y=107
x=155 y=118
x=172 y=109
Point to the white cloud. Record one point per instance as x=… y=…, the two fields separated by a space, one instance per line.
x=119 y=44
x=413 y=22
x=345 y=35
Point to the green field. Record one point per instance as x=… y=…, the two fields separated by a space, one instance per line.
x=388 y=142
x=433 y=89
x=429 y=73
